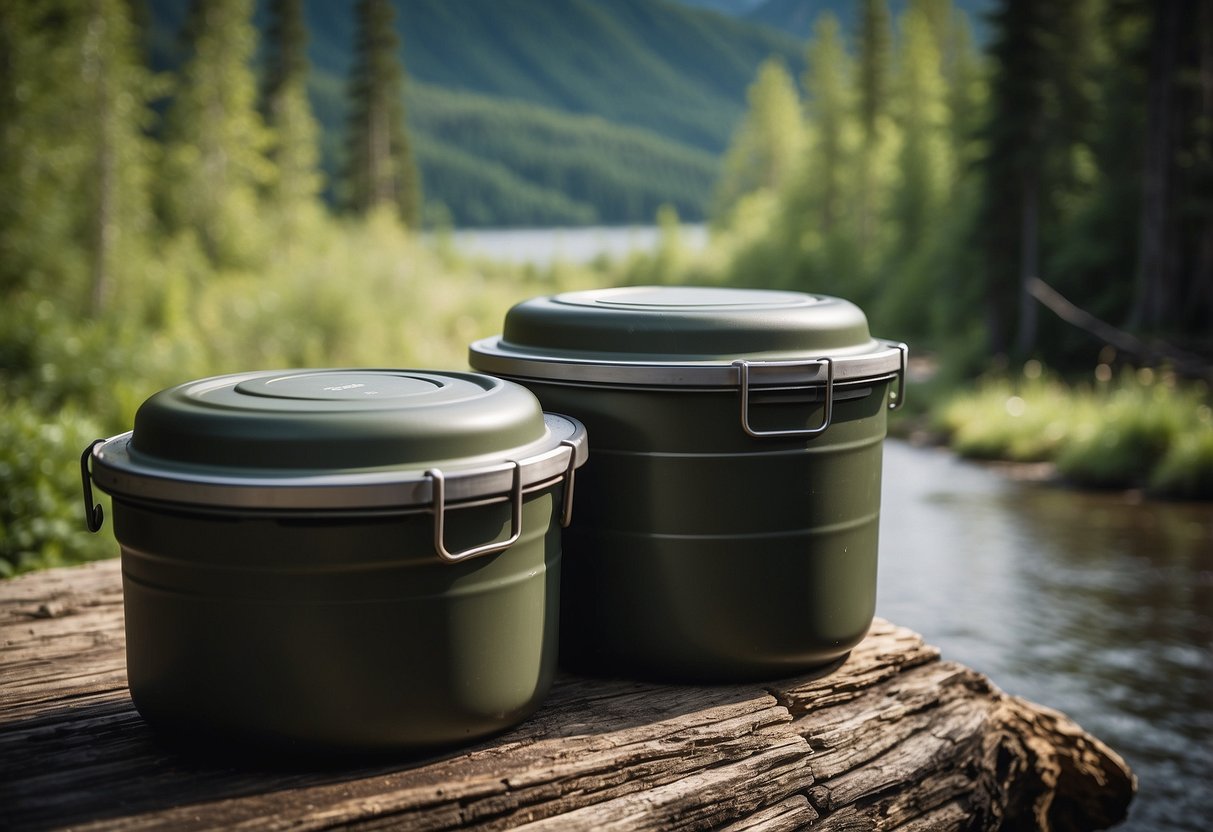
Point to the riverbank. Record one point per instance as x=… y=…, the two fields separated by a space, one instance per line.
x=1138 y=429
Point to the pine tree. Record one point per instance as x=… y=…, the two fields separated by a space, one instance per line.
x=293 y=131
x=379 y=167
x=830 y=108
x=74 y=96
x=875 y=56
x=215 y=139
x=116 y=87
x=1174 y=290
x=919 y=199
x=769 y=143
x=876 y=163
x=1037 y=163
x=966 y=88
x=925 y=159
x=1014 y=137
x=40 y=157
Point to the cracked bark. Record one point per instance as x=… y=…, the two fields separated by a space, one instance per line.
x=894 y=739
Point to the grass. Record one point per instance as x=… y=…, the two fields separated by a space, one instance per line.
x=1144 y=429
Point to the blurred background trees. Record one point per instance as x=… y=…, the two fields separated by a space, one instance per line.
x=927 y=163
x=939 y=180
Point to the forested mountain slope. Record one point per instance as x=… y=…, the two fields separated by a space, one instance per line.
x=530 y=111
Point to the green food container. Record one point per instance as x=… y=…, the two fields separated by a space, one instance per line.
x=727 y=523
x=339 y=559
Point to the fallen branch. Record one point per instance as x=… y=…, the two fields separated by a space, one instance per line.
x=1156 y=352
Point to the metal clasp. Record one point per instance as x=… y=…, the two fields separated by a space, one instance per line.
x=897 y=399
x=94 y=514
x=439 y=508
x=743 y=369
x=566 y=508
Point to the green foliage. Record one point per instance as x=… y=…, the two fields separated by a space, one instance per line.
x=767 y=147
x=42 y=516
x=67 y=381
x=564 y=168
x=1135 y=432
x=293 y=149
x=884 y=198
x=1186 y=470
x=74 y=95
x=672 y=74
x=660 y=66
x=214 y=160
x=380 y=170
x=875 y=63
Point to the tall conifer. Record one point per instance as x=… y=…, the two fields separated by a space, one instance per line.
x=1013 y=135
x=73 y=93
x=215 y=138
x=1037 y=136
x=768 y=146
x=830 y=107
x=116 y=88
x=925 y=159
x=380 y=169
x=293 y=131
x=875 y=55
x=875 y=59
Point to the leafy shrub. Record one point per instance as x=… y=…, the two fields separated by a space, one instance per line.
x=1136 y=431
x=42 y=515
x=1187 y=468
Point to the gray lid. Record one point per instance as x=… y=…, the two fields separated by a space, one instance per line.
x=337 y=439
x=686 y=336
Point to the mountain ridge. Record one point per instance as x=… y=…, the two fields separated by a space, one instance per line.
x=676 y=73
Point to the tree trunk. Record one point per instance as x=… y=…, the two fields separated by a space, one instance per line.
x=1154 y=267
x=1029 y=262
x=104 y=219
x=893 y=739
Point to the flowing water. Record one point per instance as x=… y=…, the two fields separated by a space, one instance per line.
x=1097 y=604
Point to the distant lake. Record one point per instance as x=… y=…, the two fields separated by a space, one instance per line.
x=542 y=246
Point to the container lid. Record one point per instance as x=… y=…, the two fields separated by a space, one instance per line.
x=362 y=439
x=687 y=336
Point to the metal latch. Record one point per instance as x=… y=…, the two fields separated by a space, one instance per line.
x=439 y=508
x=743 y=368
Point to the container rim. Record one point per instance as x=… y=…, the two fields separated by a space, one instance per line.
x=881 y=358
x=115 y=471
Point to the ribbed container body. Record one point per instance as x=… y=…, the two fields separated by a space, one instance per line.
x=338 y=633
x=350 y=560
x=726 y=523
x=701 y=553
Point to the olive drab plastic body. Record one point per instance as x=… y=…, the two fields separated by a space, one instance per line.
x=340 y=559
x=727 y=522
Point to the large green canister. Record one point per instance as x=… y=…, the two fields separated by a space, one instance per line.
x=339 y=559
x=727 y=523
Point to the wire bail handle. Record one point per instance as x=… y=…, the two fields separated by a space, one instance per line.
x=439 y=508
x=743 y=369
x=94 y=514
x=898 y=397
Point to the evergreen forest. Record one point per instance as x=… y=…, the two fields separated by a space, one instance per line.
x=199 y=188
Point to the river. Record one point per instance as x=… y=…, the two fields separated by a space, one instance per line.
x=1098 y=604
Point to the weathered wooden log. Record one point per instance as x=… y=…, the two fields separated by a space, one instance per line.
x=893 y=739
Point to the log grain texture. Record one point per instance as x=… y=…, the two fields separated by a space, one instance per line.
x=894 y=739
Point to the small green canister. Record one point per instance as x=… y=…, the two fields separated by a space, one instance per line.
x=727 y=523
x=339 y=559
